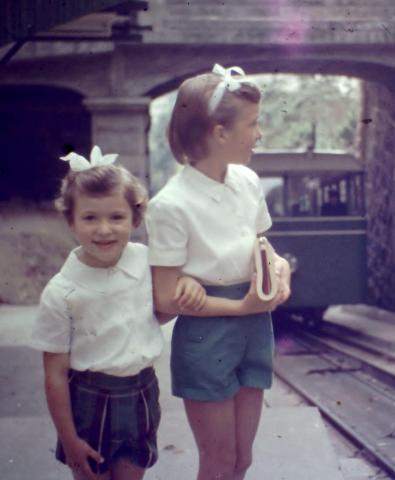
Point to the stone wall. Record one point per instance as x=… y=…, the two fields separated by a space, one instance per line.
x=378 y=146
x=34 y=243
x=271 y=21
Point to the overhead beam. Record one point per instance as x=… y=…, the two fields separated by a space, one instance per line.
x=20 y=19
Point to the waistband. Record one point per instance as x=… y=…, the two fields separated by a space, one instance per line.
x=103 y=380
x=234 y=292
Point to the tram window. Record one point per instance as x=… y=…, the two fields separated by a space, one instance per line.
x=314 y=195
x=334 y=205
x=273 y=188
x=292 y=195
x=303 y=195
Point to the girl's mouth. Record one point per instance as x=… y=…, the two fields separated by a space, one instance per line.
x=105 y=244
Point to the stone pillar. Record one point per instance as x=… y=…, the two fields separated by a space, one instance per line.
x=380 y=185
x=120 y=125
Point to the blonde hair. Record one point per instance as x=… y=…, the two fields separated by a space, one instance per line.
x=191 y=122
x=99 y=181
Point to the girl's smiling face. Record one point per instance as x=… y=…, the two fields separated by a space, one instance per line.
x=243 y=134
x=102 y=225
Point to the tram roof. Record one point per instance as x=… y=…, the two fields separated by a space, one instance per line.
x=273 y=163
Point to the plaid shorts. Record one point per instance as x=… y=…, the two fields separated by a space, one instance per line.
x=117 y=416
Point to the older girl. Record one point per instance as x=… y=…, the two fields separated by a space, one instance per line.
x=203 y=223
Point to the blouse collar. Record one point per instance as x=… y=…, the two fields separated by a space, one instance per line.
x=97 y=278
x=207 y=185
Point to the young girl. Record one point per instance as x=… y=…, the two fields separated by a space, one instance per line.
x=203 y=223
x=97 y=329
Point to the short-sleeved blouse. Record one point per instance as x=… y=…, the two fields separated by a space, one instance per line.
x=208 y=228
x=102 y=317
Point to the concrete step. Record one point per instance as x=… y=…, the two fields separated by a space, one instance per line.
x=364 y=325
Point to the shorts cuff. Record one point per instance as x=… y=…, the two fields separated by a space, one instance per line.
x=262 y=385
x=205 y=395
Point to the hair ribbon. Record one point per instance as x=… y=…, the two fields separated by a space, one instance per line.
x=228 y=82
x=78 y=163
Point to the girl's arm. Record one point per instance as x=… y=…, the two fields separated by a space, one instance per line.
x=163 y=317
x=188 y=294
x=56 y=368
x=165 y=298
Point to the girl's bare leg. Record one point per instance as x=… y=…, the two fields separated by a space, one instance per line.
x=214 y=429
x=248 y=406
x=124 y=470
x=80 y=476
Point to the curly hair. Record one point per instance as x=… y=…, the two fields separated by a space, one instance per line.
x=99 y=181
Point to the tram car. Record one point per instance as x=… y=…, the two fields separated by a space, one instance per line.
x=317 y=205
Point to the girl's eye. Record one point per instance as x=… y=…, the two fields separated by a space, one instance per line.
x=89 y=218
x=117 y=216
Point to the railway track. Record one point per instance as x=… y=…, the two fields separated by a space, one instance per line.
x=352 y=394
x=377 y=361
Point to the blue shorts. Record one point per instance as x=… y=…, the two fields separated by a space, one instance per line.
x=212 y=357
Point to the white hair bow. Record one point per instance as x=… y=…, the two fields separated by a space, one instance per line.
x=227 y=83
x=78 y=163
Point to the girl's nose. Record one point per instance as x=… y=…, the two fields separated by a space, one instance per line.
x=259 y=134
x=104 y=227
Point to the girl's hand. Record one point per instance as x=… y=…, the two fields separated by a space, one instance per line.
x=77 y=453
x=189 y=294
x=283 y=273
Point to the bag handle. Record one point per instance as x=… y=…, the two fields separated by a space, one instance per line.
x=264 y=264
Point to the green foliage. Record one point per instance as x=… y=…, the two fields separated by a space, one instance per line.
x=309 y=111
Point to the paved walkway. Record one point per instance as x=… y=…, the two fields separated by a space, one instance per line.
x=292 y=442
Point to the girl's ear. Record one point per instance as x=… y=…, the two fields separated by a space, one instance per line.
x=220 y=133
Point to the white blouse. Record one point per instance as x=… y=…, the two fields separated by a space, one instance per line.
x=103 y=317
x=208 y=228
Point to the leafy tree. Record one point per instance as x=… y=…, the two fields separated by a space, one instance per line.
x=309 y=111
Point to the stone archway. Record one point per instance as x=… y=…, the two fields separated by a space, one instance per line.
x=38 y=124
